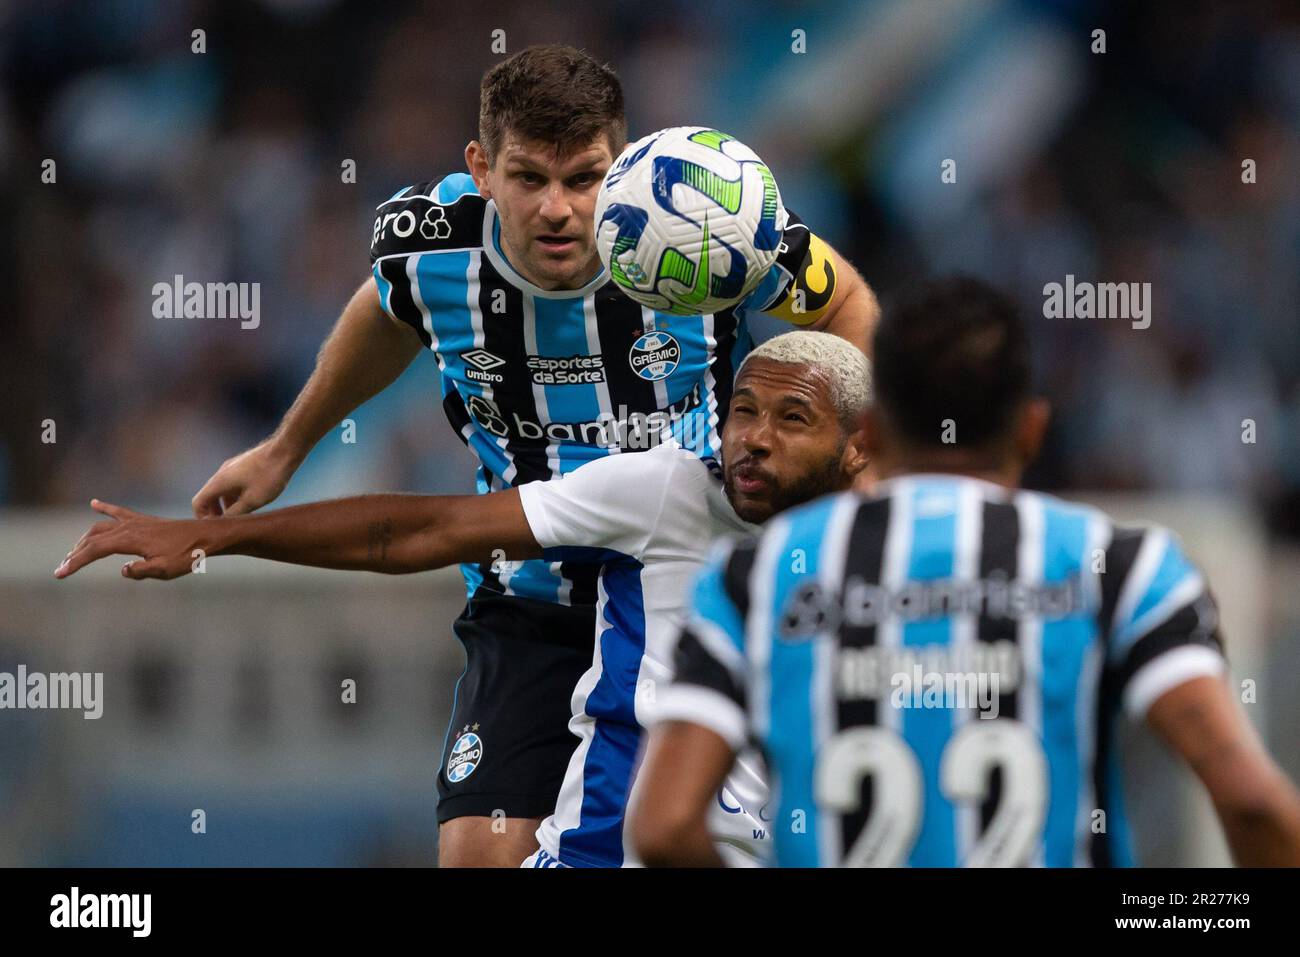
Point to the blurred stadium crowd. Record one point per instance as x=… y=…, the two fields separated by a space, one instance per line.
x=226 y=166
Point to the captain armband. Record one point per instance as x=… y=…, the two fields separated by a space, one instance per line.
x=808 y=295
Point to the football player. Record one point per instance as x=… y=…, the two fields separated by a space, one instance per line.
x=648 y=521
x=938 y=683
x=546 y=366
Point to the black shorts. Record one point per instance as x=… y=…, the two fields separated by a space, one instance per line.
x=509 y=742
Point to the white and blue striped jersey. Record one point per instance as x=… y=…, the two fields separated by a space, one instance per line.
x=935 y=673
x=650 y=521
x=537 y=382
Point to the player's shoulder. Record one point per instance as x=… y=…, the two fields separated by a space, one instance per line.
x=1025 y=511
x=663 y=462
x=1150 y=556
x=684 y=463
x=799 y=255
x=1123 y=541
x=1140 y=565
x=434 y=216
x=1055 y=508
x=624 y=477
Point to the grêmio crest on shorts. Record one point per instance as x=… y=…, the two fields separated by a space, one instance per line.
x=537 y=382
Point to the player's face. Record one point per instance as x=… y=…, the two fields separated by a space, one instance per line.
x=783 y=443
x=547 y=204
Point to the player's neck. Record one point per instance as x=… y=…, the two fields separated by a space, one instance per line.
x=550 y=285
x=1006 y=474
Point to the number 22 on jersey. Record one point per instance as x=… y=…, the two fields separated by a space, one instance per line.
x=898 y=792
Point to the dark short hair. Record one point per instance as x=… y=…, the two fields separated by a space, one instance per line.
x=553 y=93
x=955 y=349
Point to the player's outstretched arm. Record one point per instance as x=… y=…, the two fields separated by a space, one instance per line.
x=364 y=353
x=685 y=765
x=394 y=534
x=1258 y=806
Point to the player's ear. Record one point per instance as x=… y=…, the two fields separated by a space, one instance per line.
x=855 y=457
x=869 y=432
x=476 y=160
x=1031 y=429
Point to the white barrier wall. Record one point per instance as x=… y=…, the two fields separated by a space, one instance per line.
x=223 y=688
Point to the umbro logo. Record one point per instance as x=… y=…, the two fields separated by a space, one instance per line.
x=482 y=359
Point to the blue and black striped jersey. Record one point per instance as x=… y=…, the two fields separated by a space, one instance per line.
x=539 y=382
x=935 y=673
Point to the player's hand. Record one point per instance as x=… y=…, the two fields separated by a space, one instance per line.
x=245 y=483
x=166 y=546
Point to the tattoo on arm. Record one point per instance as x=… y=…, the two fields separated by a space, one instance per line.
x=380 y=536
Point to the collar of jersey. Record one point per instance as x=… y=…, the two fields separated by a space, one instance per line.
x=886 y=487
x=498 y=259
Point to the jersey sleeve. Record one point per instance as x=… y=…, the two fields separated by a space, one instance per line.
x=437 y=216
x=611 y=503
x=708 y=687
x=799 y=286
x=1164 y=629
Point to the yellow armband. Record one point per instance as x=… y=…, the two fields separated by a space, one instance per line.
x=811 y=289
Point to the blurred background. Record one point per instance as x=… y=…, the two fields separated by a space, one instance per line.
x=223 y=692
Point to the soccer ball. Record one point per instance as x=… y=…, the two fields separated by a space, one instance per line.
x=688 y=220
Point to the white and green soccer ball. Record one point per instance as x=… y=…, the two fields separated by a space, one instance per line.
x=688 y=220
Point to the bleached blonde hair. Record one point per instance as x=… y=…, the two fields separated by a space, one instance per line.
x=843 y=364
